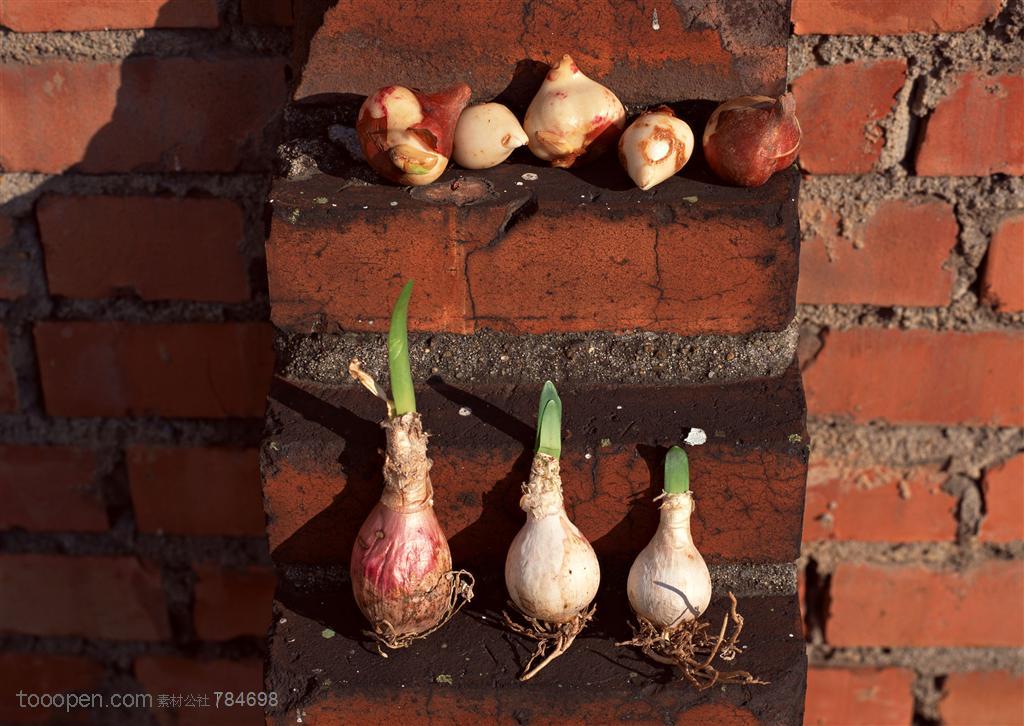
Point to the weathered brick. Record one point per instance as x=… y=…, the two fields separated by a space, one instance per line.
x=918 y=376
x=982 y=698
x=13 y=270
x=321 y=479
x=233 y=603
x=670 y=265
x=29 y=16
x=840 y=108
x=976 y=129
x=37 y=673
x=1002 y=284
x=877 y=504
x=718 y=52
x=155 y=247
x=899 y=255
x=176 y=675
x=891 y=605
x=139 y=114
x=268 y=12
x=859 y=697
x=117 y=598
x=198 y=491
x=8 y=383
x=50 y=488
x=201 y=370
x=464 y=709
x=889 y=17
x=589 y=684
x=1004 y=502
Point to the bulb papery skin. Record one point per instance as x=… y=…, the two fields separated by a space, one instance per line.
x=655 y=147
x=747 y=139
x=551 y=571
x=485 y=136
x=407 y=135
x=400 y=558
x=572 y=117
x=669 y=582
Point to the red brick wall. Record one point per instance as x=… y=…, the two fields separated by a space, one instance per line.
x=135 y=347
x=910 y=297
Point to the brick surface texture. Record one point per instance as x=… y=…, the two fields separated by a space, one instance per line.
x=839 y=110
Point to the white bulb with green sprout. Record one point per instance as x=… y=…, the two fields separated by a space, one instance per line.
x=551 y=571
x=669 y=583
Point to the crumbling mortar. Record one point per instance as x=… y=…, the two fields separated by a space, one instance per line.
x=957 y=450
x=937 y=556
x=116 y=45
x=177 y=552
x=929 y=661
x=592 y=357
x=56 y=431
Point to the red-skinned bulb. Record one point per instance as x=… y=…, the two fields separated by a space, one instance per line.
x=407 y=135
x=747 y=139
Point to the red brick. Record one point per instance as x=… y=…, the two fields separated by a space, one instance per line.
x=1002 y=285
x=117 y=598
x=890 y=605
x=142 y=114
x=717 y=52
x=859 y=697
x=976 y=130
x=8 y=383
x=37 y=673
x=840 y=108
x=268 y=12
x=889 y=17
x=199 y=370
x=918 y=376
x=195 y=490
x=983 y=698
x=233 y=603
x=158 y=248
x=898 y=256
x=50 y=488
x=877 y=504
x=176 y=675
x=670 y=266
x=321 y=483
x=26 y=16
x=499 y=707
x=13 y=268
x=1004 y=502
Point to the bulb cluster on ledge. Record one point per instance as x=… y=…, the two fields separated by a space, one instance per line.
x=409 y=137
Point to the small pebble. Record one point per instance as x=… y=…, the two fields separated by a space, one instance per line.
x=530 y=176
x=465 y=411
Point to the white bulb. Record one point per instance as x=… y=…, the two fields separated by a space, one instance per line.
x=669 y=582
x=485 y=136
x=551 y=571
x=655 y=147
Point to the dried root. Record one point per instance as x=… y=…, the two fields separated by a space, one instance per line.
x=558 y=636
x=690 y=646
x=460 y=584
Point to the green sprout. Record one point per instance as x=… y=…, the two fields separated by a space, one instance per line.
x=549 y=422
x=677 y=471
x=398 y=355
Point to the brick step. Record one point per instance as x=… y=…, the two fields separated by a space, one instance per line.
x=594 y=682
x=322 y=469
x=555 y=254
x=644 y=52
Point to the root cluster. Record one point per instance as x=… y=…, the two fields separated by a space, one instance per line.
x=691 y=646
x=555 y=636
x=460 y=584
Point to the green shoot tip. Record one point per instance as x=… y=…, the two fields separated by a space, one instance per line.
x=677 y=471
x=398 y=355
